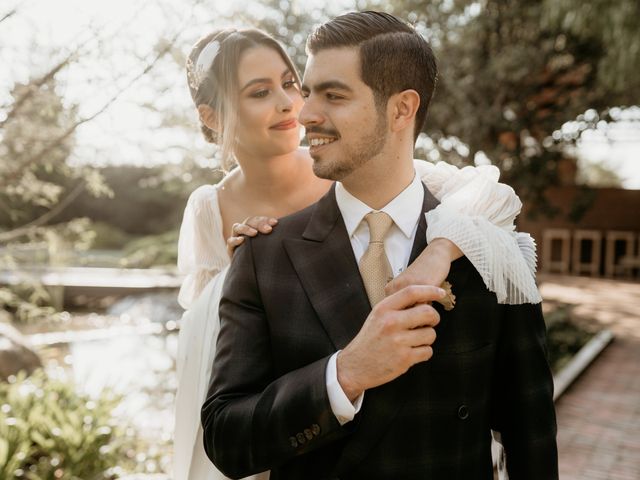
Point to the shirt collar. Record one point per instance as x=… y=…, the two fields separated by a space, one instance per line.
x=404 y=209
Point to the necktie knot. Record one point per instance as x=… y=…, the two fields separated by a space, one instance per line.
x=379 y=224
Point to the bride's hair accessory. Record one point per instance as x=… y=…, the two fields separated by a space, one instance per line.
x=196 y=73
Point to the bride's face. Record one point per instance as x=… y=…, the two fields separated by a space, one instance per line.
x=268 y=105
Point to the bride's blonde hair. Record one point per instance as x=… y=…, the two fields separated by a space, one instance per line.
x=217 y=87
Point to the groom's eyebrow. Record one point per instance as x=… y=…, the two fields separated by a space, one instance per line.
x=263 y=80
x=328 y=85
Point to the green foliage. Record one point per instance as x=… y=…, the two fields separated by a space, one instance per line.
x=49 y=431
x=512 y=73
x=37 y=184
x=28 y=302
x=611 y=25
x=564 y=337
x=37 y=139
x=152 y=251
x=42 y=117
x=146 y=200
x=288 y=21
x=108 y=236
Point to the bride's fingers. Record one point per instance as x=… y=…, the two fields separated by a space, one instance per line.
x=243 y=229
x=261 y=224
x=233 y=242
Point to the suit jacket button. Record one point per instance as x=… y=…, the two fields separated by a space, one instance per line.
x=293 y=442
x=463 y=412
x=315 y=429
x=301 y=438
x=308 y=434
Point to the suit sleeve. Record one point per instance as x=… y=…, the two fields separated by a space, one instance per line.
x=252 y=420
x=524 y=412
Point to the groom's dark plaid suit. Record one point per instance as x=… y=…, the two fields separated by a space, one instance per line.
x=292 y=298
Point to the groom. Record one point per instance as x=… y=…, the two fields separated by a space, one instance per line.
x=317 y=375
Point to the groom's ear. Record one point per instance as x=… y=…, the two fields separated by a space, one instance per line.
x=403 y=106
x=208 y=116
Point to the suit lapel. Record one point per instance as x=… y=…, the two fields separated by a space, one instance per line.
x=323 y=260
x=429 y=202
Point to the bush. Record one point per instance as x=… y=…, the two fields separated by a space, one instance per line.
x=108 y=236
x=564 y=337
x=146 y=200
x=152 y=251
x=49 y=431
x=27 y=303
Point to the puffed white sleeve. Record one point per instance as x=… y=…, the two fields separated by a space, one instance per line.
x=477 y=213
x=202 y=250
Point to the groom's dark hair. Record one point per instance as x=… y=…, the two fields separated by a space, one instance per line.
x=393 y=56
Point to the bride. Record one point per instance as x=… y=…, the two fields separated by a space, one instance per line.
x=246 y=91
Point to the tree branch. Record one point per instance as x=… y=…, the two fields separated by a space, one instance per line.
x=56 y=142
x=35 y=85
x=9 y=15
x=42 y=220
x=11 y=177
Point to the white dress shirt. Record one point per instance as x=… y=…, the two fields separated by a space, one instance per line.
x=405 y=210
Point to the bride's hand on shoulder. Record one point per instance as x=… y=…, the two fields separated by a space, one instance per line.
x=249 y=227
x=430 y=268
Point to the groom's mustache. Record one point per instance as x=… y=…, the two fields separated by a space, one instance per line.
x=321 y=131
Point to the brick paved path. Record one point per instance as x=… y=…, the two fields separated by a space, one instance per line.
x=599 y=415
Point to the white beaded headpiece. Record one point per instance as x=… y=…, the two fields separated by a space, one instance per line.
x=197 y=72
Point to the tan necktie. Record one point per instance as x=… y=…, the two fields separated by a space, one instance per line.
x=375 y=268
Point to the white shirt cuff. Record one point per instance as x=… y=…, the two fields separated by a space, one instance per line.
x=341 y=407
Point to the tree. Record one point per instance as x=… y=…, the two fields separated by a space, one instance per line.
x=37 y=136
x=513 y=72
x=36 y=183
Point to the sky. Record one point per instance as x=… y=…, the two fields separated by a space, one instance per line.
x=130 y=134
x=619 y=149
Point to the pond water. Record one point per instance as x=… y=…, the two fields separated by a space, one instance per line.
x=130 y=348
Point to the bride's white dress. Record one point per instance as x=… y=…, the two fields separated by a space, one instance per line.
x=476 y=212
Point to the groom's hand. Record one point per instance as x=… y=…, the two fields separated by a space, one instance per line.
x=397 y=334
